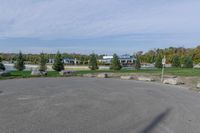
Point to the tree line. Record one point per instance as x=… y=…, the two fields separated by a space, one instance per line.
x=170 y=53
x=178 y=57
x=58 y=64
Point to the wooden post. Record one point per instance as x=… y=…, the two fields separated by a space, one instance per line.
x=163 y=68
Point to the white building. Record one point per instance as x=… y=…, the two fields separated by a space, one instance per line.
x=125 y=59
x=106 y=59
x=67 y=61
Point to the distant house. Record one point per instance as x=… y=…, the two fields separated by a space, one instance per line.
x=71 y=61
x=125 y=60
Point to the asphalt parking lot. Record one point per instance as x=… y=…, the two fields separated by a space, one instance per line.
x=91 y=105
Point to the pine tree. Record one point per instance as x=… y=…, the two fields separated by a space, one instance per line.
x=188 y=63
x=137 y=63
x=43 y=62
x=58 y=63
x=19 y=65
x=115 y=64
x=158 y=63
x=93 y=62
x=176 y=62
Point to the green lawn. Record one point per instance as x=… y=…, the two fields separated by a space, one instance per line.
x=27 y=74
x=21 y=74
x=169 y=71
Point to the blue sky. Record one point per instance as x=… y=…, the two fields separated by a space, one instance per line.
x=100 y=26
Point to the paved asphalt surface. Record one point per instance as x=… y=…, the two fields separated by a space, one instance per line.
x=86 y=105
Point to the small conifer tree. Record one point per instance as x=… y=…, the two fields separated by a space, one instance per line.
x=115 y=64
x=43 y=62
x=176 y=62
x=188 y=63
x=20 y=65
x=93 y=62
x=137 y=63
x=158 y=63
x=2 y=67
x=58 y=64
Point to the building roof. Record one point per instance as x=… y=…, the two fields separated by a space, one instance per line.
x=107 y=57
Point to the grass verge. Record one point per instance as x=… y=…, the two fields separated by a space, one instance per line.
x=169 y=71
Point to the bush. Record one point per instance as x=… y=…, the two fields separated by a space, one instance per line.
x=19 y=65
x=188 y=63
x=158 y=63
x=115 y=64
x=137 y=63
x=93 y=62
x=58 y=63
x=2 y=67
x=176 y=62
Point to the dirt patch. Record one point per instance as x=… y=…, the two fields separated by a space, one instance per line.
x=189 y=82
